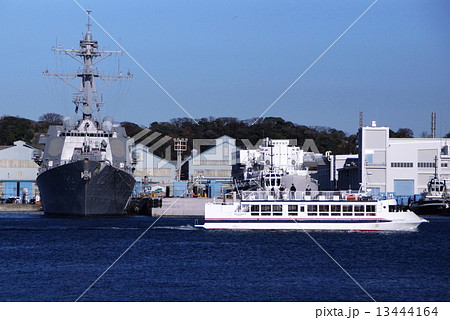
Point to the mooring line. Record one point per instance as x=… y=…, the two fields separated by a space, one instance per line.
x=126 y=250
x=137 y=63
x=314 y=62
x=334 y=260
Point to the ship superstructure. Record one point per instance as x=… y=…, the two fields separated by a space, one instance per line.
x=86 y=168
x=275 y=165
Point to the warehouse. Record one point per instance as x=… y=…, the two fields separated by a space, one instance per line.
x=18 y=172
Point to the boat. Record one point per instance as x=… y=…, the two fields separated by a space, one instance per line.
x=308 y=210
x=435 y=200
x=85 y=168
x=273 y=166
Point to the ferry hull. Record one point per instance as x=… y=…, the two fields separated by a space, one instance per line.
x=64 y=191
x=313 y=226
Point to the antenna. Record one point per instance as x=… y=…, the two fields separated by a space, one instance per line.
x=89 y=20
x=360 y=119
x=433 y=124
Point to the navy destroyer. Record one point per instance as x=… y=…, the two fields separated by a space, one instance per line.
x=86 y=168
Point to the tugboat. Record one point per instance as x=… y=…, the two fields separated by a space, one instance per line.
x=86 y=168
x=434 y=201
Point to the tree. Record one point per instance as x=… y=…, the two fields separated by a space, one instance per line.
x=52 y=118
x=402 y=133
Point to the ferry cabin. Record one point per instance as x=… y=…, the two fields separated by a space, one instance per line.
x=312 y=204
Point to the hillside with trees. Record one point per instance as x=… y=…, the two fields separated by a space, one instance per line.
x=325 y=138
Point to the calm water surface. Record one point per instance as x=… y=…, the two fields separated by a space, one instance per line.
x=56 y=259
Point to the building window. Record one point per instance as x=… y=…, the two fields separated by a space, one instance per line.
x=401 y=164
x=426 y=164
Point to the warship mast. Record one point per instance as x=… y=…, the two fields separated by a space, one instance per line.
x=87 y=95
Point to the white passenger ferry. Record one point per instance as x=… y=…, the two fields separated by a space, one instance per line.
x=313 y=210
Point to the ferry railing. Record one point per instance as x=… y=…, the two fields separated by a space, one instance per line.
x=301 y=195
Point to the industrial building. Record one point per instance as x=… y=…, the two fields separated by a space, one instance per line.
x=152 y=168
x=18 y=172
x=216 y=162
x=401 y=166
x=384 y=165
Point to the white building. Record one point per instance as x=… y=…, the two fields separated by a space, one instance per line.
x=156 y=170
x=214 y=163
x=402 y=166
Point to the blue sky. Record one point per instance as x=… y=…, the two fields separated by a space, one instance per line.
x=234 y=58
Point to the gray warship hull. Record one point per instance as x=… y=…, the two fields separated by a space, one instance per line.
x=64 y=190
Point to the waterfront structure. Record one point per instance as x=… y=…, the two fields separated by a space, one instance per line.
x=216 y=162
x=398 y=166
x=18 y=172
x=402 y=166
x=333 y=174
x=152 y=168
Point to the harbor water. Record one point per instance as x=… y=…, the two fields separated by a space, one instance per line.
x=56 y=259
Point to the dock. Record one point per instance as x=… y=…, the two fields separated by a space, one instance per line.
x=19 y=207
x=182 y=207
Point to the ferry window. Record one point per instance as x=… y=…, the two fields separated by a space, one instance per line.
x=371 y=214
x=324 y=208
x=335 y=213
x=335 y=208
x=255 y=207
x=277 y=210
x=265 y=209
x=391 y=208
x=312 y=213
x=347 y=208
x=277 y=207
x=324 y=214
x=359 y=213
x=245 y=208
x=359 y=208
x=302 y=209
x=370 y=208
x=293 y=213
x=292 y=208
x=312 y=208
